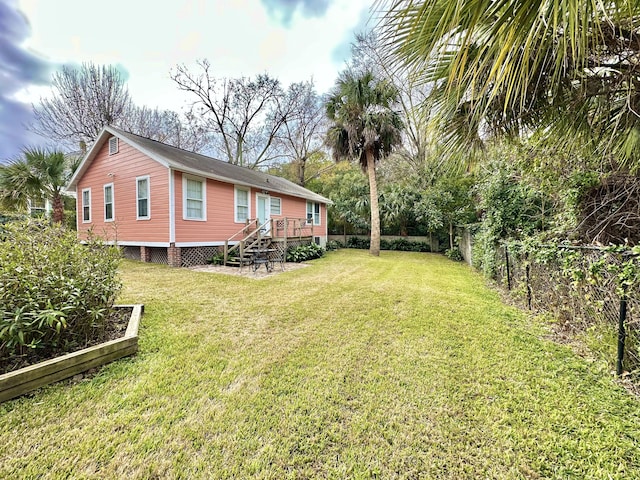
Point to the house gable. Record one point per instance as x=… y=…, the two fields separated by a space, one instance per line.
x=121 y=171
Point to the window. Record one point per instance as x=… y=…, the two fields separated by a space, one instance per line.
x=113 y=145
x=313 y=213
x=194 y=198
x=37 y=207
x=86 y=205
x=108 y=202
x=276 y=206
x=242 y=205
x=142 y=195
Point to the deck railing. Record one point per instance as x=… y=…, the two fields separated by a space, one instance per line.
x=252 y=234
x=293 y=228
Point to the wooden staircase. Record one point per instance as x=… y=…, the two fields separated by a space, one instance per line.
x=252 y=239
x=254 y=242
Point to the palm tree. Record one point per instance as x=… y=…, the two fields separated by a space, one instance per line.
x=39 y=174
x=568 y=68
x=364 y=128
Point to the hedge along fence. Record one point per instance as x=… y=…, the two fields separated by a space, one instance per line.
x=593 y=292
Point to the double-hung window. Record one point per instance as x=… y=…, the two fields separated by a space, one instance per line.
x=143 y=210
x=86 y=205
x=194 y=198
x=276 y=206
x=313 y=213
x=242 y=204
x=108 y=202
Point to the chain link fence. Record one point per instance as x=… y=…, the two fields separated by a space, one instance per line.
x=590 y=291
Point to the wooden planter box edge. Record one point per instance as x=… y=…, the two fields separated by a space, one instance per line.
x=19 y=382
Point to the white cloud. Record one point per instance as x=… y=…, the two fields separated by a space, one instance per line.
x=238 y=37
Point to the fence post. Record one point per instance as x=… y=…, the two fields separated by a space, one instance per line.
x=506 y=261
x=621 y=332
x=527 y=275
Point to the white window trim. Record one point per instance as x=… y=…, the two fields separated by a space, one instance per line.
x=203 y=181
x=279 y=212
x=113 y=202
x=313 y=212
x=235 y=203
x=148 y=179
x=113 y=145
x=83 y=205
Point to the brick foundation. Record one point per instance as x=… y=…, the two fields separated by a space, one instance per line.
x=174 y=254
x=145 y=254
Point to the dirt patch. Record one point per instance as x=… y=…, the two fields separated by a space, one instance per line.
x=249 y=272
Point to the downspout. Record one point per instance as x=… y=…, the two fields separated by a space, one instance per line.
x=172 y=208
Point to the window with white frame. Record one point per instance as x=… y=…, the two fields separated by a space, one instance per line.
x=86 y=205
x=313 y=213
x=108 y=202
x=113 y=145
x=194 y=198
x=143 y=211
x=276 y=206
x=241 y=204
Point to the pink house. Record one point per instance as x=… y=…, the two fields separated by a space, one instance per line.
x=167 y=205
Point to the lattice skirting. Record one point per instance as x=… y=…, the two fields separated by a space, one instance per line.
x=279 y=246
x=159 y=255
x=192 y=256
x=132 y=253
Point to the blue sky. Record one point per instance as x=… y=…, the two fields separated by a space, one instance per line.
x=293 y=40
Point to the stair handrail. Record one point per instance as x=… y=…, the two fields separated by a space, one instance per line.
x=237 y=245
x=241 y=244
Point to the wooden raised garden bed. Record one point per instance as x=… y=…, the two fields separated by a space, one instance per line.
x=29 y=378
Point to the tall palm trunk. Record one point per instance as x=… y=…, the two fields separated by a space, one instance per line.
x=58 y=208
x=374 y=248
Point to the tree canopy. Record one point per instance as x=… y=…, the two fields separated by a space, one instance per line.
x=510 y=67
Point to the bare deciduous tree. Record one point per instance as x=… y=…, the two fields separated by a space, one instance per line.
x=243 y=115
x=84 y=100
x=165 y=126
x=302 y=133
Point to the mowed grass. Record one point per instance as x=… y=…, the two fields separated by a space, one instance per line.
x=403 y=366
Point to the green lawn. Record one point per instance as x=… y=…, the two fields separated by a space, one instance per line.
x=403 y=366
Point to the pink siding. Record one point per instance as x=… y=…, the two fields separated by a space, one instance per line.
x=220 y=207
x=294 y=207
x=220 y=223
x=125 y=166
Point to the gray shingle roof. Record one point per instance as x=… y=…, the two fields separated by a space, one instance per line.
x=202 y=165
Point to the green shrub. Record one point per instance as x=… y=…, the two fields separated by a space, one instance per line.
x=453 y=254
x=54 y=291
x=356 y=242
x=399 y=244
x=217 y=259
x=404 y=245
x=302 y=253
x=333 y=245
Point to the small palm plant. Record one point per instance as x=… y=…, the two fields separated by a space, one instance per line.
x=39 y=173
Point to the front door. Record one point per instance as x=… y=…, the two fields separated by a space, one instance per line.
x=264 y=211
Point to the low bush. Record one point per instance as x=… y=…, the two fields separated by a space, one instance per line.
x=302 y=253
x=357 y=242
x=217 y=259
x=399 y=244
x=404 y=245
x=54 y=292
x=453 y=254
x=334 y=245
